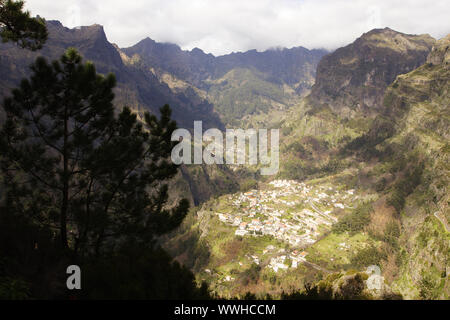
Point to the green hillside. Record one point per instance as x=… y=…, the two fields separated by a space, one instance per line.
x=243 y=92
x=397 y=161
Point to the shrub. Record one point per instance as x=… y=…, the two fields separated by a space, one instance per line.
x=405 y=186
x=248 y=184
x=391 y=234
x=366 y=257
x=355 y=221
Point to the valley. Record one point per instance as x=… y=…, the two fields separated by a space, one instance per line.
x=359 y=197
x=282 y=231
x=364 y=160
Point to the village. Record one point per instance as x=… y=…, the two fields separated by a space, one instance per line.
x=291 y=212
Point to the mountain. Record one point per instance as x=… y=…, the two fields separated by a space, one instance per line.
x=295 y=67
x=380 y=169
x=346 y=102
x=346 y=99
x=139 y=89
x=196 y=85
x=399 y=155
x=237 y=84
x=363 y=165
x=354 y=78
x=191 y=66
x=419 y=102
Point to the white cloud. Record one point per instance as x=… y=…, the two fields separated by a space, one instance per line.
x=223 y=26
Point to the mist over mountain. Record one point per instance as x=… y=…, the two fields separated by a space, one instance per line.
x=290 y=66
x=237 y=84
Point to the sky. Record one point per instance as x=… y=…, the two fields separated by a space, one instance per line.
x=223 y=26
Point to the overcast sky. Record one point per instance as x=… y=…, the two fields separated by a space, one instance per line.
x=224 y=26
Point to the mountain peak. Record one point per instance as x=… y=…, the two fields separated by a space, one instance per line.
x=386 y=30
x=95 y=30
x=353 y=78
x=197 y=51
x=147 y=40
x=398 y=41
x=54 y=23
x=93 y=27
x=150 y=45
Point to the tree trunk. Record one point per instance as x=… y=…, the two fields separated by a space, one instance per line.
x=65 y=192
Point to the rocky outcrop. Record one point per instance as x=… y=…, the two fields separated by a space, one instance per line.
x=353 y=79
x=440 y=54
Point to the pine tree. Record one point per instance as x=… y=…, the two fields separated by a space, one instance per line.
x=70 y=163
x=17 y=26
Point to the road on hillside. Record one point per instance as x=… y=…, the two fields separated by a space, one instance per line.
x=315 y=266
x=322 y=213
x=447 y=228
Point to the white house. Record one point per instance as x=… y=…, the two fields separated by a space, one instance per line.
x=240 y=232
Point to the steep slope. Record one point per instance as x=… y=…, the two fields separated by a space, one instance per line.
x=237 y=84
x=401 y=155
x=346 y=98
x=422 y=101
x=140 y=89
x=373 y=136
x=243 y=92
x=191 y=66
x=353 y=79
x=393 y=153
x=402 y=158
x=294 y=67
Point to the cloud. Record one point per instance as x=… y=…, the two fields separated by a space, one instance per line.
x=223 y=26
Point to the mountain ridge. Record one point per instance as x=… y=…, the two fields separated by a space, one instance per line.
x=196 y=66
x=272 y=72
x=139 y=89
x=354 y=77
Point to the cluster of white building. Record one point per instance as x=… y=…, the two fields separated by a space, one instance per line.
x=263 y=212
x=280 y=262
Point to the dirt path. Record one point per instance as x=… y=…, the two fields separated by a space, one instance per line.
x=329 y=217
x=446 y=226
x=315 y=266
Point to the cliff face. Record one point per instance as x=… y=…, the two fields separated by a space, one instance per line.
x=423 y=96
x=91 y=41
x=420 y=103
x=353 y=78
x=440 y=54
x=238 y=84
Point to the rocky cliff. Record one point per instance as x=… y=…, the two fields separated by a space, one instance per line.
x=353 y=79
